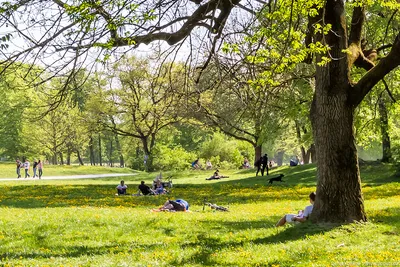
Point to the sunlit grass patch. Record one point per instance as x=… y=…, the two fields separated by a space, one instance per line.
x=83 y=223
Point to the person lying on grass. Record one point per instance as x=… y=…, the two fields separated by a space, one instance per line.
x=174 y=205
x=121 y=188
x=302 y=216
x=216 y=176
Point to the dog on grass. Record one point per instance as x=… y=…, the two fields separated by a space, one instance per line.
x=276 y=179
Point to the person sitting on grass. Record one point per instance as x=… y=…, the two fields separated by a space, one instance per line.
x=121 y=188
x=174 y=205
x=216 y=176
x=302 y=216
x=196 y=165
x=160 y=188
x=208 y=165
x=146 y=190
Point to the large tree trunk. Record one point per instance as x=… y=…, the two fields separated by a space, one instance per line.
x=386 y=151
x=257 y=152
x=339 y=197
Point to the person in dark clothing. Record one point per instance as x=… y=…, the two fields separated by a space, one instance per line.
x=258 y=165
x=35 y=164
x=264 y=162
x=146 y=190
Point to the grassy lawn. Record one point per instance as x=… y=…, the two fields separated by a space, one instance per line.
x=8 y=170
x=82 y=223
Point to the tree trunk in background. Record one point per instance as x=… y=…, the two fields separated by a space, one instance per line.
x=111 y=153
x=91 y=151
x=313 y=154
x=119 y=149
x=54 y=158
x=384 y=123
x=148 y=153
x=100 y=158
x=78 y=154
x=339 y=197
x=279 y=157
x=257 y=152
x=302 y=149
x=307 y=155
x=61 y=158
x=68 y=156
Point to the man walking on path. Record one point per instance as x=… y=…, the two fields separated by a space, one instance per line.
x=26 y=167
x=19 y=165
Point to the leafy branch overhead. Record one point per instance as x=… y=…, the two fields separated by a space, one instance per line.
x=67 y=29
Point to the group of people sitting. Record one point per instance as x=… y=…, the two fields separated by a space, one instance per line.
x=158 y=188
x=183 y=205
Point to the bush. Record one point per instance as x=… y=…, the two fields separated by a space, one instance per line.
x=176 y=158
x=224 y=151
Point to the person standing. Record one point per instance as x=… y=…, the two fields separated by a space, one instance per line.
x=258 y=165
x=40 y=168
x=27 y=165
x=264 y=162
x=35 y=163
x=19 y=165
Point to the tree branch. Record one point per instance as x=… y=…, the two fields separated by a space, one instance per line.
x=371 y=78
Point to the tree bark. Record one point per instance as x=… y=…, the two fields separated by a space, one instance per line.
x=307 y=155
x=100 y=156
x=68 y=156
x=339 y=197
x=121 y=156
x=110 y=161
x=384 y=123
x=302 y=149
x=147 y=152
x=78 y=154
x=257 y=152
x=91 y=151
x=61 y=158
x=279 y=157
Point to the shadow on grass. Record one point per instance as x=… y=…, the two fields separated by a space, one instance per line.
x=209 y=246
x=78 y=251
x=389 y=216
